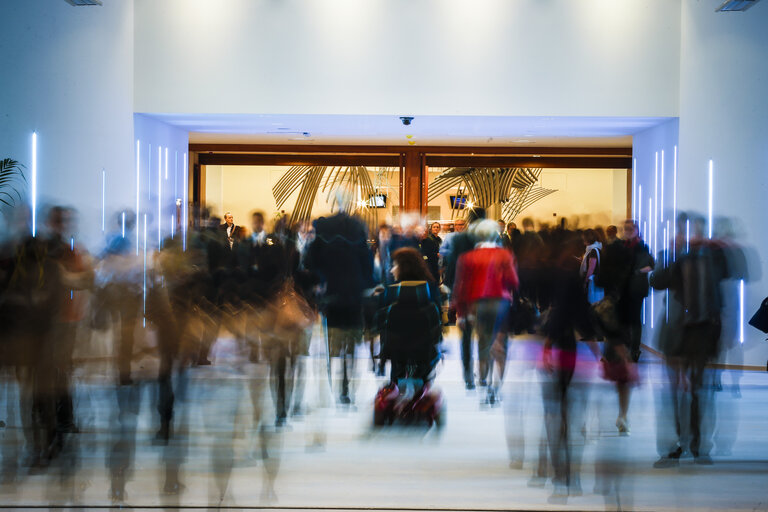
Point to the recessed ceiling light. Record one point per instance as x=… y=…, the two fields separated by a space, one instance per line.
x=735 y=5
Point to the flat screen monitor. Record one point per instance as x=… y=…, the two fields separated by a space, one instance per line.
x=377 y=201
x=458 y=202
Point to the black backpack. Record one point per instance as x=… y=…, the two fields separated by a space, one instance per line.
x=410 y=323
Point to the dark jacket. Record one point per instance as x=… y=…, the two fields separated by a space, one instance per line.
x=409 y=319
x=430 y=248
x=340 y=258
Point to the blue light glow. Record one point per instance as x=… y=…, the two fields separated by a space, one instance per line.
x=123 y=216
x=185 y=219
x=674 y=207
x=138 y=191
x=160 y=195
x=661 y=200
x=172 y=222
x=34 y=184
x=71 y=243
x=711 y=192
x=144 y=286
x=634 y=189
x=103 y=203
x=741 y=311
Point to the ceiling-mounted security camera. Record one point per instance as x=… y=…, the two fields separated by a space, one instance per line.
x=406 y=120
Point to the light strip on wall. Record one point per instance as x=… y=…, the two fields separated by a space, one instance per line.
x=711 y=192
x=34 y=184
x=144 y=288
x=661 y=200
x=159 y=197
x=674 y=206
x=172 y=222
x=103 y=202
x=687 y=235
x=149 y=171
x=186 y=194
x=138 y=191
x=640 y=207
x=741 y=311
x=654 y=216
x=634 y=189
x=123 y=223
x=176 y=175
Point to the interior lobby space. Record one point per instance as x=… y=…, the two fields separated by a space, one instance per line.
x=439 y=255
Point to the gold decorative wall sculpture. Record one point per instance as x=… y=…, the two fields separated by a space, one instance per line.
x=514 y=188
x=313 y=179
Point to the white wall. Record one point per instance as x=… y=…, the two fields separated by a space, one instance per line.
x=68 y=74
x=163 y=170
x=724 y=117
x=442 y=57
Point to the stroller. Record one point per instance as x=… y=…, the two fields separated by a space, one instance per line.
x=410 y=324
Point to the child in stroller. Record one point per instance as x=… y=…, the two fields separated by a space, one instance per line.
x=410 y=323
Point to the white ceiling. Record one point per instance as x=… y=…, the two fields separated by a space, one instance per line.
x=424 y=130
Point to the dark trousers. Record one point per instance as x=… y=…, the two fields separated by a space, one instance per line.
x=466 y=352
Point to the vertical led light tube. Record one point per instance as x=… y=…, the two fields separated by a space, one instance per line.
x=176 y=174
x=634 y=189
x=674 y=206
x=103 y=201
x=159 y=196
x=653 y=220
x=34 y=184
x=138 y=192
x=687 y=235
x=123 y=223
x=741 y=311
x=149 y=171
x=640 y=207
x=185 y=219
x=661 y=199
x=144 y=287
x=172 y=222
x=709 y=203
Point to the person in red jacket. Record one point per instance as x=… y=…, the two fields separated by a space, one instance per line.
x=485 y=280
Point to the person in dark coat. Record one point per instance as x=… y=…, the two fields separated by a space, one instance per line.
x=690 y=339
x=430 y=249
x=409 y=317
x=339 y=256
x=631 y=302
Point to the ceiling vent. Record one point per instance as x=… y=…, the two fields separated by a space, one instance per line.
x=736 y=5
x=80 y=3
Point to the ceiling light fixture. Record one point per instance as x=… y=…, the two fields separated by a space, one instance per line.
x=81 y=3
x=736 y=5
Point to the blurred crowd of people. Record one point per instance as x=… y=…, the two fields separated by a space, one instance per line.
x=226 y=314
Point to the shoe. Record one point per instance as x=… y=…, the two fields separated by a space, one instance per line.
x=469 y=385
x=537 y=481
x=703 y=460
x=345 y=400
x=559 y=494
x=516 y=464
x=280 y=421
x=669 y=461
x=623 y=427
x=483 y=383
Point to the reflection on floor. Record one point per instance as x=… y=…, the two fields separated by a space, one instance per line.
x=331 y=457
